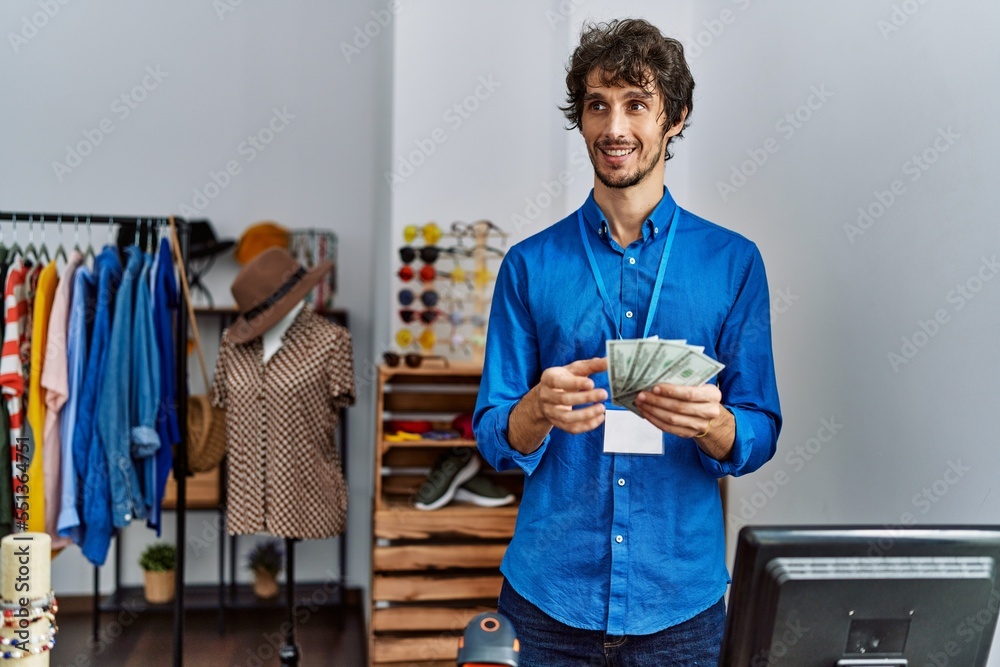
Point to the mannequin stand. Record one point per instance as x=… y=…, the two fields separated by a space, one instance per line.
x=289 y=653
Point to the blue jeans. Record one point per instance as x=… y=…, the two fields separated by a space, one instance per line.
x=545 y=642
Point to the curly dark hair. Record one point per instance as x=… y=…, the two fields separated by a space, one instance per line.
x=631 y=52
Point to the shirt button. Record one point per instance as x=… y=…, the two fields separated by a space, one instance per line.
x=629 y=314
x=619 y=539
x=128 y=517
x=631 y=260
x=656 y=230
x=621 y=482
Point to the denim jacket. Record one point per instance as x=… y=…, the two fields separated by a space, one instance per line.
x=96 y=491
x=113 y=414
x=145 y=394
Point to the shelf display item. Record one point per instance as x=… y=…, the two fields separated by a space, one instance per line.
x=452 y=273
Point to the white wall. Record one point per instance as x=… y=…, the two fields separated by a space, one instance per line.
x=224 y=74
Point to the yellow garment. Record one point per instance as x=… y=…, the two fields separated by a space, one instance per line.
x=46 y=292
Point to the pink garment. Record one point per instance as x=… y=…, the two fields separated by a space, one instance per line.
x=55 y=379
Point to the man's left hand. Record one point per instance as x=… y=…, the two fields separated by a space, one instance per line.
x=691 y=412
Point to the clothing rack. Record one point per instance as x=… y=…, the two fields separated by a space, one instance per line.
x=21 y=219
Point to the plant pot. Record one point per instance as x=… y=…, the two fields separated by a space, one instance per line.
x=265 y=585
x=159 y=586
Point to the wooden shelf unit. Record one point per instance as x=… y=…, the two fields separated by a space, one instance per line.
x=432 y=571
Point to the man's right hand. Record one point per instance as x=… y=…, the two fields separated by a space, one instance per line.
x=551 y=403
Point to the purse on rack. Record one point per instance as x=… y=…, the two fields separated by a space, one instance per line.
x=206 y=424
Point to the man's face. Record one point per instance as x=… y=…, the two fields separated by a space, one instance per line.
x=624 y=130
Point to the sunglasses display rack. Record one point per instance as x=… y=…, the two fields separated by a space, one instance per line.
x=444 y=283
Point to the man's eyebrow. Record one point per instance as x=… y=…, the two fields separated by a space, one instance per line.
x=639 y=94
x=632 y=94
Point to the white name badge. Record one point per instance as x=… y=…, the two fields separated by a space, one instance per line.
x=627 y=433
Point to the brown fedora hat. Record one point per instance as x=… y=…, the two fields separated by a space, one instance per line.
x=267 y=288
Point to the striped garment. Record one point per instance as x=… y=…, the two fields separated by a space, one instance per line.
x=12 y=378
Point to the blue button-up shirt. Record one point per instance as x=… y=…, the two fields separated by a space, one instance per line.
x=74 y=461
x=625 y=544
x=165 y=301
x=113 y=414
x=97 y=489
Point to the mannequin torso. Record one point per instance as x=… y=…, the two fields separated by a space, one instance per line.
x=272 y=338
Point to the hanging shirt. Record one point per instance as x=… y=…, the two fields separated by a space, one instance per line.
x=55 y=385
x=30 y=289
x=74 y=468
x=12 y=375
x=6 y=480
x=621 y=543
x=96 y=488
x=144 y=396
x=165 y=303
x=39 y=484
x=114 y=423
x=284 y=475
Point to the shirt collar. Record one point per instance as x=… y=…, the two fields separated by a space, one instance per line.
x=658 y=220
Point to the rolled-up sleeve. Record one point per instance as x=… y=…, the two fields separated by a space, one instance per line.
x=748 y=385
x=510 y=370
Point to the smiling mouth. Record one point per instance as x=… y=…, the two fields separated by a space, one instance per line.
x=617 y=152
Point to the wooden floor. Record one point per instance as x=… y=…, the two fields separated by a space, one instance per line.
x=326 y=638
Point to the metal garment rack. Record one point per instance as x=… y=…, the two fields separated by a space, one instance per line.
x=180 y=341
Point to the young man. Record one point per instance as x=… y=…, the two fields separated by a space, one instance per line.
x=620 y=558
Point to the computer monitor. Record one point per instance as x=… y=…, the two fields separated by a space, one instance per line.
x=863 y=596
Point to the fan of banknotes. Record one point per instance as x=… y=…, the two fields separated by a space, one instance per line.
x=636 y=365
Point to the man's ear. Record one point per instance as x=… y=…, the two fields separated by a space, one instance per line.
x=675 y=129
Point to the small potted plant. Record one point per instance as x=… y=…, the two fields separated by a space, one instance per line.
x=158 y=562
x=265 y=561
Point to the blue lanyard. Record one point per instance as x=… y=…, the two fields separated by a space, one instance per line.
x=655 y=300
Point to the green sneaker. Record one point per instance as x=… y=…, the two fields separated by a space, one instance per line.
x=452 y=469
x=482 y=491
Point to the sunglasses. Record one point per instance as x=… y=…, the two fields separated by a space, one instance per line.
x=412 y=359
x=428 y=254
x=431 y=233
x=428 y=316
x=427 y=273
x=429 y=298
x=457 y=319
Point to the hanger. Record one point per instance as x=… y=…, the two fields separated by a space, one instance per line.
x=89 y=254
x=14 y=249
x=60 y=251
x=44 y=250
x=30 y=252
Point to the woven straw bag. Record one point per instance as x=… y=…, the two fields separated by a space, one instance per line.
x=206 y=424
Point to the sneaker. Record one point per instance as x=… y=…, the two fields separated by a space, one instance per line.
x=482 y=491
x=452 y=469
